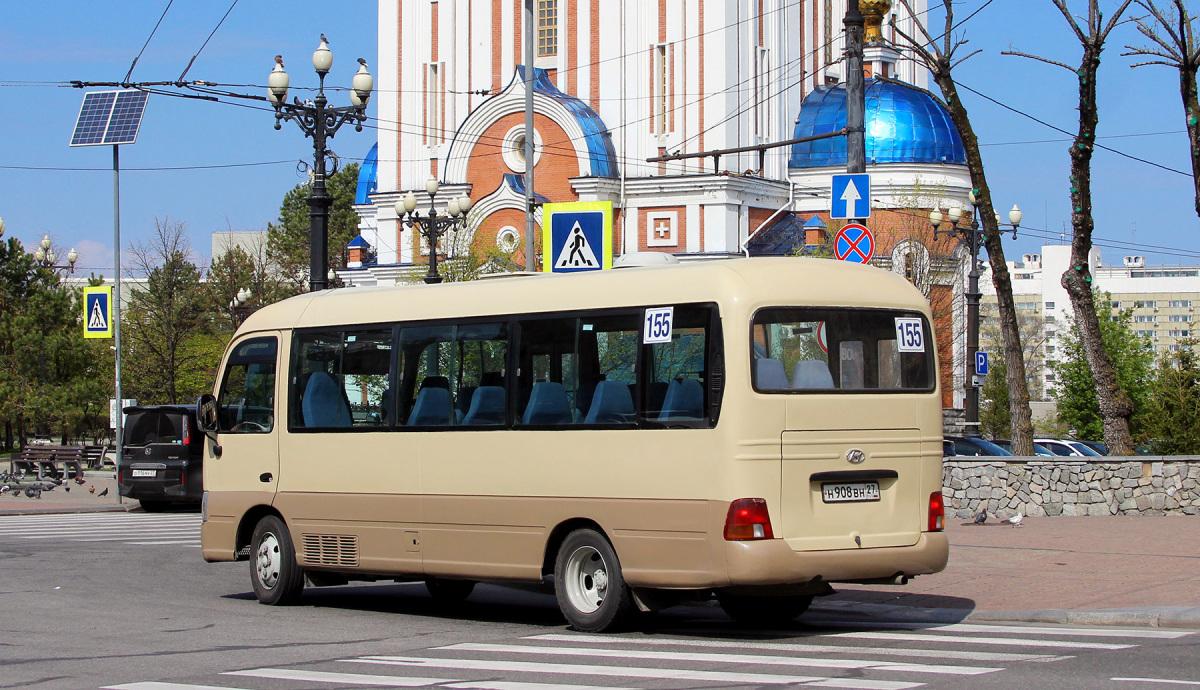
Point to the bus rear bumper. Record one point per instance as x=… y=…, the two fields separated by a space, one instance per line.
x=773 y=562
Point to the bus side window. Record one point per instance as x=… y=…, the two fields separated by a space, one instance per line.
x=340 y=379
x=247 y=397
x=430 y=374
x=675 y=390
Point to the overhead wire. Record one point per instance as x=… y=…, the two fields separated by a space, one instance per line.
x=152 y=32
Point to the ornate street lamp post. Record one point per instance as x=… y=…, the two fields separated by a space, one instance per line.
x=320 y=122
x=972 y=235
x=44 y=256
x=432 y=226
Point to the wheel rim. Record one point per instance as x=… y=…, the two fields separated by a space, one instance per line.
x=586 y=579
x=267 y=562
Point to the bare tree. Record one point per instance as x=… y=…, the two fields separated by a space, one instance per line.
x=940 y=60
x=1170 y=29
x=1116 y=408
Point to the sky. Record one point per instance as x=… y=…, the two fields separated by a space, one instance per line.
x=232 y=168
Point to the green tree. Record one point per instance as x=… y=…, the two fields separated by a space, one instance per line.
x=163 y=320
x=995 y=417
x=1132 y=359
x=50 y=376
x=241 y=269
x=1173 y=423
x=288 y=240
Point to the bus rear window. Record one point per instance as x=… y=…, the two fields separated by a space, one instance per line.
x=810 y=350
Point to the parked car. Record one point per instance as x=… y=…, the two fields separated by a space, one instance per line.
x=163 y=456
x=1038 y=449
x=1081 y=447
x=1062 y=448
x=1100 y=448
x=948 y=448
x=973 y=446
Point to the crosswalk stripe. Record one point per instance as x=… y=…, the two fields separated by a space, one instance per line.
x=762 y=659
x=517 y=685
x=58 y=527
x=960 y=639
x=630 y=672
x=182 y=542
x=965 y=655
x=89 y=531
x=329 y=677
x=1023 y=629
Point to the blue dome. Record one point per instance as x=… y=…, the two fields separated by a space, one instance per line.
x=904 y=125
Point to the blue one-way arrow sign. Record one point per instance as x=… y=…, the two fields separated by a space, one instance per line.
x=851 y=196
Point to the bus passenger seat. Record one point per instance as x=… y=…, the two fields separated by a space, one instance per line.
x=770 y=374
x=611 y=404
x=685 y=400
x=811 y=373
x=487 y=406
x=324 y=404
x=432 y=407
x=547 y=404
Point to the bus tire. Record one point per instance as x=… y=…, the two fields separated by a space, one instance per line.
x=449 y=591
x=752 y=610
x=592 y=594
x=276 y=577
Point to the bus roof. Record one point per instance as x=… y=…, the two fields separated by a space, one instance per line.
x=745 y=283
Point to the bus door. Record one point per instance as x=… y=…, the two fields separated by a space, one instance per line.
x=856 y=401
x=246 y=473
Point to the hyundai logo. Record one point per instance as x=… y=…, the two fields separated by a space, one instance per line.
x=855 y=456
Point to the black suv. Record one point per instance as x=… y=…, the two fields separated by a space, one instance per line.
x=163 y=457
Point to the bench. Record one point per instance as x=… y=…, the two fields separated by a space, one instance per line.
x=52 y=457
x=93 y=456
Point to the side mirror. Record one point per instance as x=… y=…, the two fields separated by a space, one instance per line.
x=206 y=413
x=206 y=419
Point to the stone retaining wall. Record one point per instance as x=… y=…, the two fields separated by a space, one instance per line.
x=1040 y=486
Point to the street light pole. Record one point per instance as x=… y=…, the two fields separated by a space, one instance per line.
x=320 y=122
x=44 y=256
x=972 y=236
x=432 y=226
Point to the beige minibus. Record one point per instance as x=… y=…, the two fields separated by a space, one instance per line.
x=753 y=430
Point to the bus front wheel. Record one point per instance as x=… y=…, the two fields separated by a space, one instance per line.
x=592 y=594
x=753 y=610
x=276 y=577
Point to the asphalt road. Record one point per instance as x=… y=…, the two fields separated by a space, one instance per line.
x=123 y=600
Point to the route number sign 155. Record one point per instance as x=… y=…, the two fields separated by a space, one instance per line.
x=910 y=336
x=658 y=325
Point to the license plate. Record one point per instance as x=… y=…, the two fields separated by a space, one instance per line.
x=145 y=473
x=850 y=492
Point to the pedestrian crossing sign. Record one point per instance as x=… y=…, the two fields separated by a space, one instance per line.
x=577 y=236
x=97 y=312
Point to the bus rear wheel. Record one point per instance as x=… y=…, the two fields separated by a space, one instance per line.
x=752 y=610
x=276 y=577
x=591 y=591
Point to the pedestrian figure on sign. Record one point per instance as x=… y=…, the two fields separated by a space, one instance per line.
x=577 y=244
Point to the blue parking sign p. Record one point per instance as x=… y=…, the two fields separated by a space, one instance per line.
x=981 y=363
x=97 y=312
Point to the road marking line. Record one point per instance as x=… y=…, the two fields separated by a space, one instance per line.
x=53 y=534
x=166 y=686
x=623 y=671
x=1167 y=681
x=191 y=542
x=1025 y=629
x=967 y=655
x=763 y=659
x=517 y=685
x=956 y=639
x=328 y=677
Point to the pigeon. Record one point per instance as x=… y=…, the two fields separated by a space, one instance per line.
x=981 y=517
x=279 y=60
x=362 y=62
x=80 y=480
x=67 y=488
x=323 y=39
x=103 y=493
x=1015 y=520
x=92 y=489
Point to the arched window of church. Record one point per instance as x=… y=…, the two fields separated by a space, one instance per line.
x=547 y=28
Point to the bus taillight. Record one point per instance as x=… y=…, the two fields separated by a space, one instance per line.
x=937 y=512
x=748 y=520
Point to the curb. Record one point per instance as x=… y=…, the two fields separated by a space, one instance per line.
x=1185 y=617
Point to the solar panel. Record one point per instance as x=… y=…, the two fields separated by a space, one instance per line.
x=109 y=117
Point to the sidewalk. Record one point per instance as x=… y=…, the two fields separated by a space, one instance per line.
x=78 y=500
x=1117 y=570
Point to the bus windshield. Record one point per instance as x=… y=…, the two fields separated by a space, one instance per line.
x=822 y=349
